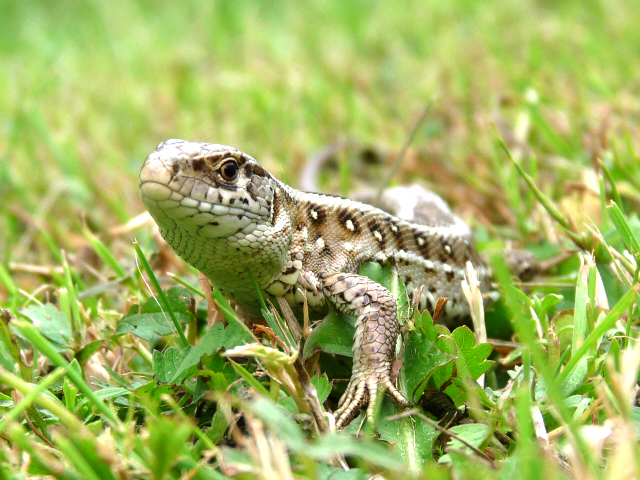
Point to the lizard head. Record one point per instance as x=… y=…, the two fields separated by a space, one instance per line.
x=206 y=190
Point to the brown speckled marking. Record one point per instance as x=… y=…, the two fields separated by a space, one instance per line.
x=447 y=249
x=422 y=244
x=377 y=233
x=317 y=214
x=348 y=221
x=198 y=164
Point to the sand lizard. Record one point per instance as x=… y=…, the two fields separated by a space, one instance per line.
x=230 y=218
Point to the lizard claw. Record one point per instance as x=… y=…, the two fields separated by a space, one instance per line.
x=363 y=391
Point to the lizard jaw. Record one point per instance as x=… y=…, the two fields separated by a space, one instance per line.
x=179 y=188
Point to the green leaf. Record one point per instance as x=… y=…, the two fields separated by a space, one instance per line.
x=473 y=433
x=173 y=365
x=635 y=419
x=387 y=276
x=372 y=270
x=211 y=342
x=179 y=300
x=6 y=361
x=471 y=360
x=150 y=321
x=167 y=363
x=421 y=359
x=218 y=426
x=86 y=352
x=163 y=297
x=110 y=393
x=333 y=335
x=598 y=331
x=575 y=377
x=235 y=334
x=323 y=387
x=624 y=229
x=544 y=305
x=149 y=325
x=446 y=344
x=580 y=308
x=413 y=438
x=430 y=353
x=50 y=322
x=474 y=356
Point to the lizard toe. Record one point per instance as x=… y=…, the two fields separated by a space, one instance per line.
x=347 y=396
x=353 y=399
x=365 y=393
x=398 y=398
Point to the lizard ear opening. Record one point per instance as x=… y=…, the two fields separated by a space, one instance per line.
x=229 y=171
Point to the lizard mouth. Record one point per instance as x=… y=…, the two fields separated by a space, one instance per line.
x=178 y=199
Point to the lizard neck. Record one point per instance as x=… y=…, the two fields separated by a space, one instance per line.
x=261 y=251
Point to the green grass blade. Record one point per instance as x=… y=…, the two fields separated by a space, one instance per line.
x=30 y=397
x=624 y=230
x=43 y=345
x=545 y=201
x=104 y=253
x=605 y=324
x=162 y=298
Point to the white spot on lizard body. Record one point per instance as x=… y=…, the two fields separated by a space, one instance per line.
x=408 y=207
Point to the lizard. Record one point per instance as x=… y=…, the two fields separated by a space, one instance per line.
x=231 y=219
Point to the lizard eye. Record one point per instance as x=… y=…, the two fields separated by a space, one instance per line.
x=229 y=171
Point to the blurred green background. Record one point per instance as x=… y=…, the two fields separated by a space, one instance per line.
x=88 y=89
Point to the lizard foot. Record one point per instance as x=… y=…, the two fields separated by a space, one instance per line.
x=363 y=390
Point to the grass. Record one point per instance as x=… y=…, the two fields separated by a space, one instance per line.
x=531 y=132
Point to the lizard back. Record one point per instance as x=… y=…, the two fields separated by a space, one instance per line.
x=337 y=234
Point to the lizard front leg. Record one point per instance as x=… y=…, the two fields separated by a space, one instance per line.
x=374 y=345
